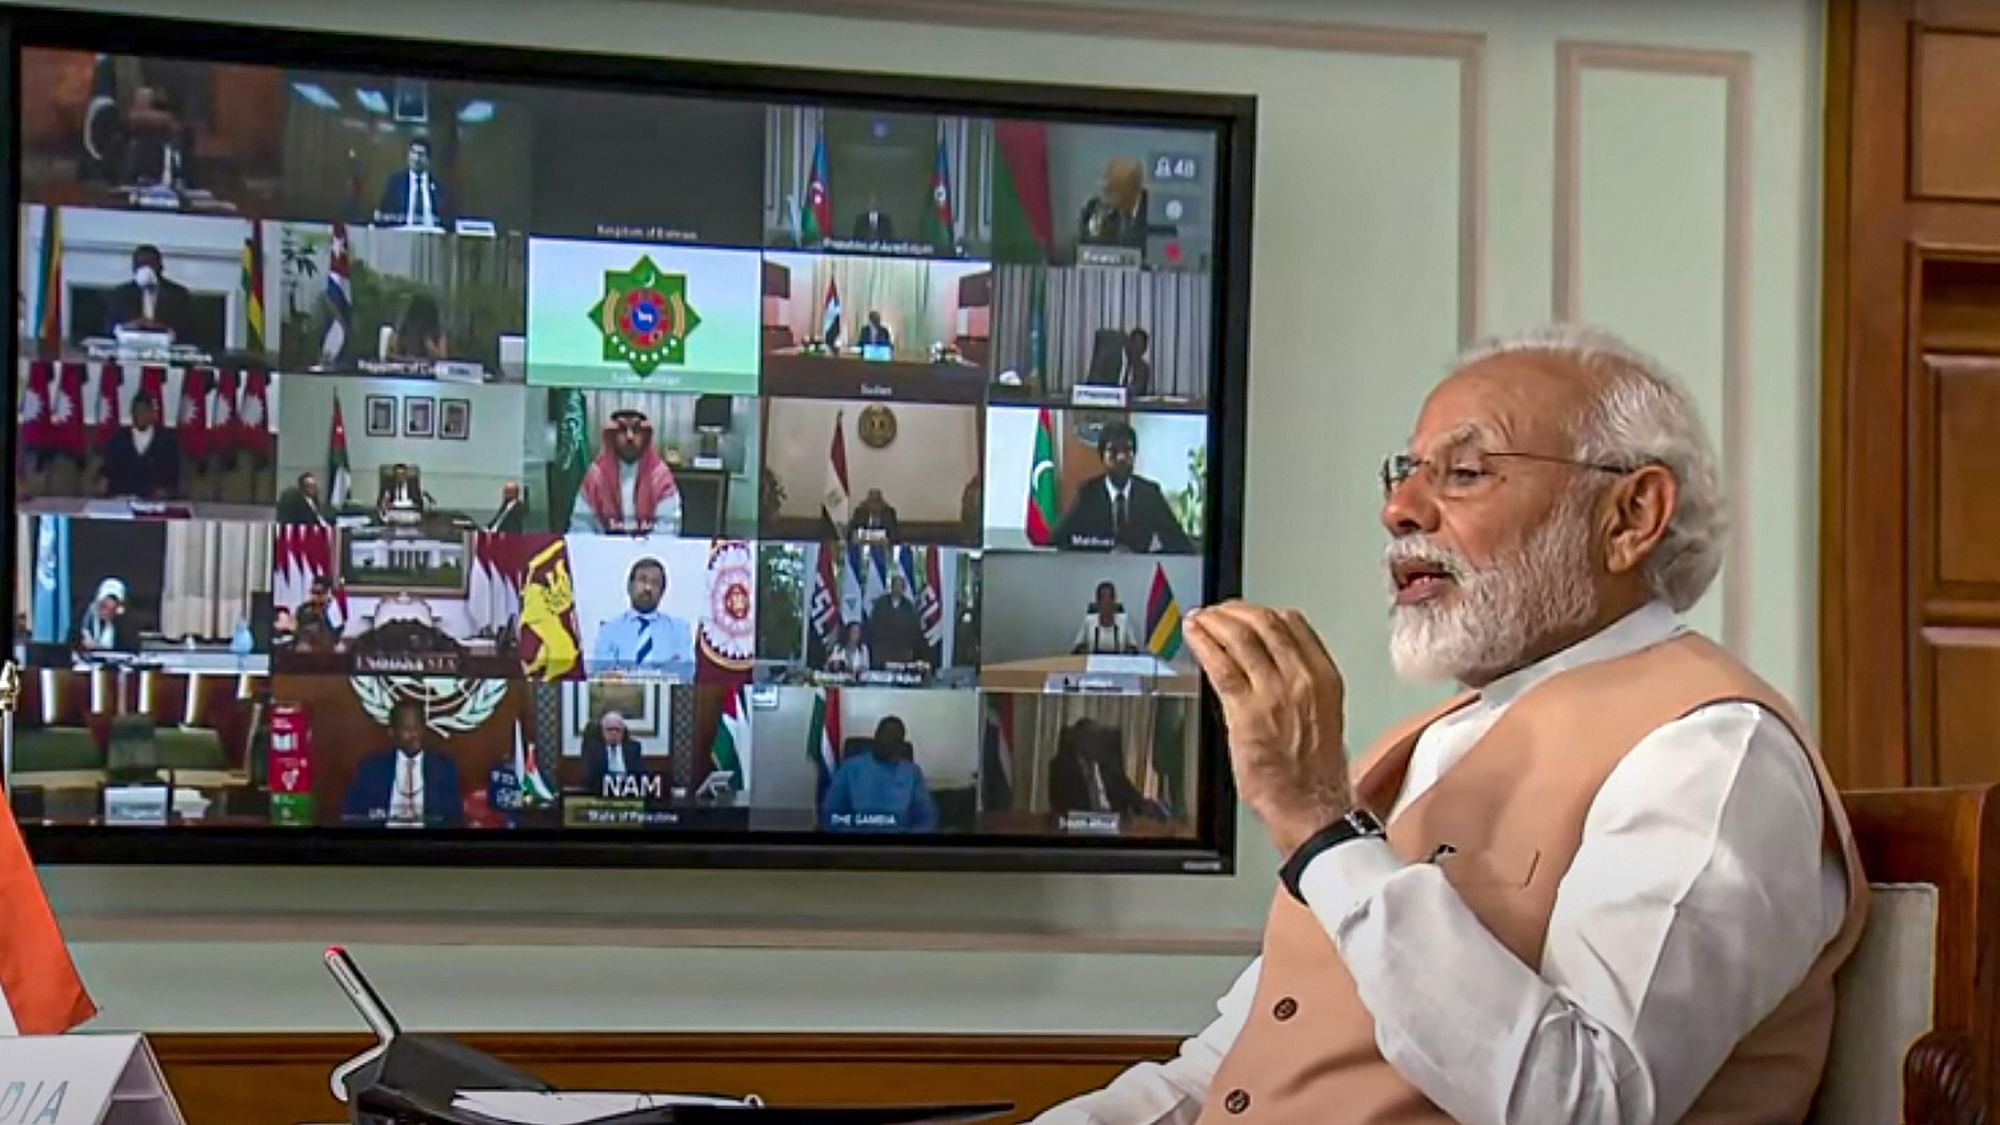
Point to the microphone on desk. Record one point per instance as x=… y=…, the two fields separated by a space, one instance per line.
x=375 y=1013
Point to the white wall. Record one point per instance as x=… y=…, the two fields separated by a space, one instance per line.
x=1373 y=234
x=464 y=475
x=923 y=472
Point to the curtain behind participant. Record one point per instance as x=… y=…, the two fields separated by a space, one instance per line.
x=212 y=570
x=1133 y=716
x=1172 y=307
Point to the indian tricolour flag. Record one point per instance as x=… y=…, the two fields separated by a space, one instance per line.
x=40 y=992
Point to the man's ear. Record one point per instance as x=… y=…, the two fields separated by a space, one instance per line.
x=1637 y=512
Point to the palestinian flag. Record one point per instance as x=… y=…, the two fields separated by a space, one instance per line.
x=732 y=739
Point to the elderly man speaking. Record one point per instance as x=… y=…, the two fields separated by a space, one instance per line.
x=1609 y=882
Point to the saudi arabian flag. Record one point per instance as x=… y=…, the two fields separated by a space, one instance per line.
x=572 y=455
x=1042 y=513
x=732 y=738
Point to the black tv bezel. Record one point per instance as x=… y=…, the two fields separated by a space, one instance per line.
x=1231 y=117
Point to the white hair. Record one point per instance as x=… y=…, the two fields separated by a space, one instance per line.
x=1641 y=415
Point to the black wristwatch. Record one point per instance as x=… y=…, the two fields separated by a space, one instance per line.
x=1358 y=823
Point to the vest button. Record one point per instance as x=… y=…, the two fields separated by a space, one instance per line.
x=1236 y=1102
x=1285 y=1009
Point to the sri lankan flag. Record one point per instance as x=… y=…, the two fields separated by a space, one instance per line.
x=253 y=288
x=551 y=646
x=1163 y=617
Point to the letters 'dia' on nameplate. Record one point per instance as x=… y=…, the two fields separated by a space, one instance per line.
x=83 y=1080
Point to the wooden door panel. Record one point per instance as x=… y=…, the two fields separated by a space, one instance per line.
x=1967 y=531
x=1966 y=704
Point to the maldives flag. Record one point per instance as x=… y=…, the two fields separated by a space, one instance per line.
x=816 y=216
x=40 y=991
x=191 y=417
x=939 y=230
x=1042 y=514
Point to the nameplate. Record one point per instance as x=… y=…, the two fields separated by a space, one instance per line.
x=1086 y=394
x=83 y=1080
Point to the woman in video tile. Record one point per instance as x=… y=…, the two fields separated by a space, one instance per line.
x=1105 y=629
x=104 y=626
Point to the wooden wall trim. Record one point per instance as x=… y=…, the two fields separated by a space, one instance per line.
x=1734 y=68
x=280 y=1078
x=1228 y=28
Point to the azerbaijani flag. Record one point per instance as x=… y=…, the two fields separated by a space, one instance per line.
x=732 y=738
x=1042 y=514
x=1163 y=617
x=40 y=991
x=823 y=738
x=938 y=226
x=816 y=216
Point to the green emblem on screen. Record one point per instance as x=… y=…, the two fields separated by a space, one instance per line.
x=645 y=317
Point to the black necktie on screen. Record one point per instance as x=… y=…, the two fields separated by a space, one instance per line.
x=1118 y=515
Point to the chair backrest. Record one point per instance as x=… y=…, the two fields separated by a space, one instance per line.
x=1934 y=857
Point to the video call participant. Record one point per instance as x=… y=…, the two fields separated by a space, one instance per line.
x=894 y=627
x=614 y=753
x=401 y=494
x=629 y=489
x=644 y=636
x=1694 y=886
x=405 y=784
x=419 y=332
x=873 y=224
x=312 y=622
x=1116 y=215
x=299 y=504
x=881 y=782
x=413 y=197
x=1119 y=510
x=1127 y=367
x=874 y=520
x=511 y=513
x=143 y=459
x=875 y=333
x=850 y=657
x=1088 y=773
x=1105 y=629
x=150 y=302
x=104 y=626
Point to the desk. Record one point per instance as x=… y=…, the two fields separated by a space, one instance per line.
x=1053 y=673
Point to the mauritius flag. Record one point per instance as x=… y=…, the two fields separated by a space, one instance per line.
x=939 y=230
x=1163 y=617
x=1042 y=514
x=816 y=215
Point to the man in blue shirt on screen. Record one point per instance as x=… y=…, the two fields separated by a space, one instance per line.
x=645 y=638
x=881 y=788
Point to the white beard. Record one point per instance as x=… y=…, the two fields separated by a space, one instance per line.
x=1486 y=625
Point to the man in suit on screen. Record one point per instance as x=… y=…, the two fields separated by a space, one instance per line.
x=406 y=785
x=613 y=754
x=150 y=302
x=144 y=458
x=413 y=197
x=300 y=504
x=1119 y=510
x=645 y=638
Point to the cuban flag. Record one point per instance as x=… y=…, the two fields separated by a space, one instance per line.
x=339 y=298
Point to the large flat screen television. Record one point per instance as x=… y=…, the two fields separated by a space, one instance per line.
x=446 y=454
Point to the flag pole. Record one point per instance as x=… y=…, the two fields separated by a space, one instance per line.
x=10 y=694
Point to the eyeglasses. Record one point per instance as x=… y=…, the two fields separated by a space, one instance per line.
x=1456 y=474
